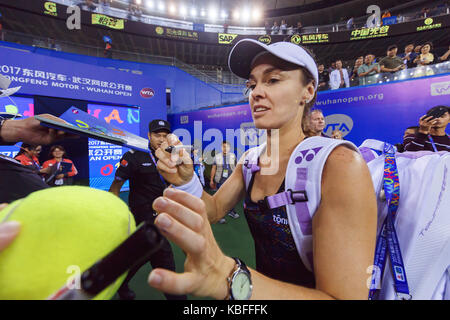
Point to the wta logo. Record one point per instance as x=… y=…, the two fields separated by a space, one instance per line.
x=440 y=88
x=338 y=121
x=147 y=93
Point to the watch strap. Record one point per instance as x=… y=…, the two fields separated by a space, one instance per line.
x=240 y=265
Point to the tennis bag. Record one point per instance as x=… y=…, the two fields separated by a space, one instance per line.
x=422 y=220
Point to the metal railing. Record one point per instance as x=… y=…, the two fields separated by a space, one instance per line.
x=211 y=77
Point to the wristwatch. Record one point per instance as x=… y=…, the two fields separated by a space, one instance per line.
x=240 y=282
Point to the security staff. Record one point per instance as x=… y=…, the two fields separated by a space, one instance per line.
x=146 y=184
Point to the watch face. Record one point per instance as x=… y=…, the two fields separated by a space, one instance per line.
x=241 y=286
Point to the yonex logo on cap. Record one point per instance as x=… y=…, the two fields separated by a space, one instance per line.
x=161 y=123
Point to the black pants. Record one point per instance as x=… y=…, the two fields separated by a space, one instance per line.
x=163 y=258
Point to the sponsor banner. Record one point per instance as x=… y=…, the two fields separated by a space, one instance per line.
x=266 y=39
x=136 y=27
x=106 y=21
x=50 y=8
x=176 y=33
x=310 y=38
x=370 y=33
x=53 y=77
x=147 y=93
x=429 y=24
x=380 y=112
x=226 y=38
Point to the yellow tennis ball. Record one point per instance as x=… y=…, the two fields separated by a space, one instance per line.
x=64 y=231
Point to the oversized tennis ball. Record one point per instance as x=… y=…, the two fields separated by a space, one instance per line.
x=64 y=230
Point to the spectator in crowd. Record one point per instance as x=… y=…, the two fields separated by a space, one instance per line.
x=275 y=28
x=386 y=14
x=199 y=167
x=108 y=50
x=368 y=71
x=134 y=9
x=223 y=167
x=104 y=6
x=445 y=56
x=29 y=156
x=324 y=78
x=88 y=5
x=283 y=27
x=298 y=28
x=391 y=63
x=350 y=23
x=316 y=123
x=267 y=27
x=354 y=81
x=408 y=56
x=18 y=181
x=339 y=77
x=53 y=45
x=416 y=53
x=58 y=162
x=337 y=134
x=225 y=27
x=332 y=67
x=409 y=131
x=425 y=13
x=426 y=57
x=401 y=18
x=431 y=135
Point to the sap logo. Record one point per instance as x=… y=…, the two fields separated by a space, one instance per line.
x=338 y=121
x=147 y=93
x=440 y=88
x=226 y=38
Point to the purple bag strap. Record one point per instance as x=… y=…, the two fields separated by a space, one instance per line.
x=288 y=197
x=249 y=166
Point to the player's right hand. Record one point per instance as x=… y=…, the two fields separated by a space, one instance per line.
x=177 y=167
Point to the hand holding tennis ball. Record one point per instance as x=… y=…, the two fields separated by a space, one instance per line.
x=8 y=231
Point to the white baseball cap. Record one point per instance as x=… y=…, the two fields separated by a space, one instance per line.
x=245 y=51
